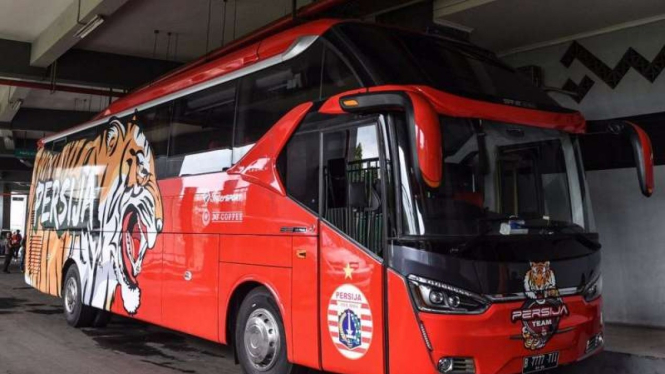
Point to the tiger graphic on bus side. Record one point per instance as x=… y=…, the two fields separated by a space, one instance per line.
x=96 y=201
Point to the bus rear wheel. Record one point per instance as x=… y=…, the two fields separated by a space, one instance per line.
x=260 y=342
x=76 y=313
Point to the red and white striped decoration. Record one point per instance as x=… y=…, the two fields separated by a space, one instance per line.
x=345 y=297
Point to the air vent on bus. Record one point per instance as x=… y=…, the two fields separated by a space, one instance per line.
x=463 y=366
x=457 y=365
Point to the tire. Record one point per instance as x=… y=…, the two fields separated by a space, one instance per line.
x=76 y=313
x=102 y=318
x=260 y=342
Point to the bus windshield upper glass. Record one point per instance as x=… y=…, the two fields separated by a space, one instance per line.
x=495 y=172
x=400 y=57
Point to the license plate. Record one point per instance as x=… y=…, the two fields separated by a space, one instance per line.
x=541 y=362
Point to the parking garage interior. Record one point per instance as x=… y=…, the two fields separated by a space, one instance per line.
x=62 y=62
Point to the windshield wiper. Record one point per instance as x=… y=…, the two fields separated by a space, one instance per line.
x=472 y=242
x=560 y=227
x=477 y=238
x=549 y=227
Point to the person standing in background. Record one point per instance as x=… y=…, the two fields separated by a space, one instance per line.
x=9 y=253
x=3 y=243
x=22 y=255
x=15 y=242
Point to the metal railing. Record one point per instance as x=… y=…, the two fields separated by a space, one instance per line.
x=364 y=225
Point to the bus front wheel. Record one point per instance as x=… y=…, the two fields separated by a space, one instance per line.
x=76 y=313
x=260 y=342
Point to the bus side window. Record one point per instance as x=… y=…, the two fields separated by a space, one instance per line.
x=352 y=186
x=298 y=166
x=202 y=130
x=156 y=124
x=58 y=145
x=88 y=134
x=336 y=76
x=269 y=94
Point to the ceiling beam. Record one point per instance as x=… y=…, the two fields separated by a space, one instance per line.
x=86 y=68
x=46 y=120
x=444 y=8
x=13 y=173
x=9 y=96
x=59 y=36
x=9 y=162
x=18 y=66
x=583 y=35
x=111 y=70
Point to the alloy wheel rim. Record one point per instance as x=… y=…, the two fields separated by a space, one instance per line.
x=71 y=295
x=262 y=339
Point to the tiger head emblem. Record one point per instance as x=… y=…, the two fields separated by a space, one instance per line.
x=130 y=208
x=539 y=282
x=96 y=201
x=543 y=308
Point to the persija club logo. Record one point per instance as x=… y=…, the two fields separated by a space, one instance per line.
x=542 y=311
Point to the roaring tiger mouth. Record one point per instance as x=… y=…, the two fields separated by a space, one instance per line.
x=133 y=239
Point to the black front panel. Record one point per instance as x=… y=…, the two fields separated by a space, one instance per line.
x=497 y=266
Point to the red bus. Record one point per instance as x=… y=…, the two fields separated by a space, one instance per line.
x=339 y=196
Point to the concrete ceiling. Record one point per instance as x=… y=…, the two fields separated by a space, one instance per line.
x=131 y=30
x=59 y=100
x=505 y=25
x=39 y=37
x=24 y=20
x=121 y=52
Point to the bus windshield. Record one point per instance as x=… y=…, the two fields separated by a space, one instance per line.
x=395 y=56
x=494 y=173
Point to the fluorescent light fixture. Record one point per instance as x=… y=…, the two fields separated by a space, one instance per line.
x=25 y=162
x=89 y=27
x=16 y=104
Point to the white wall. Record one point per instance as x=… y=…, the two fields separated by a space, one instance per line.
x=632 y=231
x=633 y=96
x=17 y=213
x=631 y=227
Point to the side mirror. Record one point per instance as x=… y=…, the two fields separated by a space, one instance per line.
x=422 y=122
x=642 y=152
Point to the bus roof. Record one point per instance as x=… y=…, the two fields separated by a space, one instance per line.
x=199 y=72
x=219 y=67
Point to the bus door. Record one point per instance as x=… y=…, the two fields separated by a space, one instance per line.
x=351 y=246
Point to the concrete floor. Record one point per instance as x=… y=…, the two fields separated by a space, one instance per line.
x=34 y=339
x=638 y=341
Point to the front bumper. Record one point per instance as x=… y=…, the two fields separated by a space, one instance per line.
x=494 y=343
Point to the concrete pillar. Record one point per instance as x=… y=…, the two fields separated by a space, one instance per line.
x=5 y=213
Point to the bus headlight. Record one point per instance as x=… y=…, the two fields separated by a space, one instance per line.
x=594 y=289
x=434 y=296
